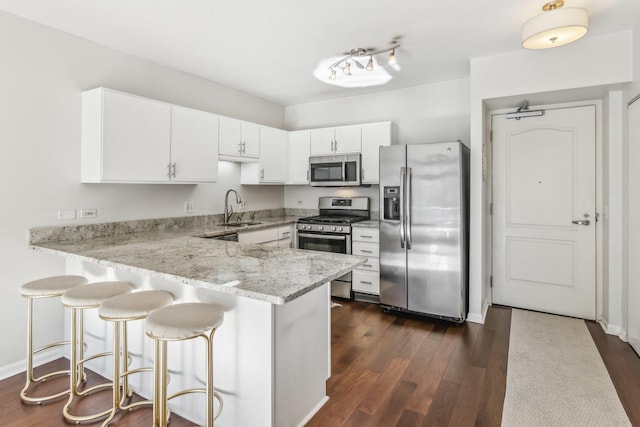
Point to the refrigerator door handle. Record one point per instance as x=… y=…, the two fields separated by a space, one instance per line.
x=408 y=207
x=403 y=174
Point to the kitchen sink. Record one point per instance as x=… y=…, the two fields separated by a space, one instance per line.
x=228 y=237
x=238 y=224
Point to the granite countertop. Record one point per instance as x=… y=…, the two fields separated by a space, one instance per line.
x=274 y=275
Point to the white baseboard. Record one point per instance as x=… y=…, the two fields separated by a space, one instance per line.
x=21 y=365
x=612 y=329
x=477 y=317
x=314 y=411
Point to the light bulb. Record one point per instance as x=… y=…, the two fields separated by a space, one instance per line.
x=370 y=63
x=392 y=58
x=332 y=76
x=347 y=69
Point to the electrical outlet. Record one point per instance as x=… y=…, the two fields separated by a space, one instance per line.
x=189 y=207
x=299 y=202
x=66 y=214
x=88 y=213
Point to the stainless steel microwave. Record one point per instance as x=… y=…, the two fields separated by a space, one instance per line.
x=334 y=171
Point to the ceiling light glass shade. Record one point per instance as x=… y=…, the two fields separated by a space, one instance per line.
x=555 y=28
x=359 y=77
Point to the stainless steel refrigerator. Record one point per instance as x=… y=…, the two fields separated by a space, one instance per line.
x=424 y=222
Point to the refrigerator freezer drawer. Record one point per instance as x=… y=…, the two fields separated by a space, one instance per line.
x=365 y=249
x=363 y=234
x=366 y=281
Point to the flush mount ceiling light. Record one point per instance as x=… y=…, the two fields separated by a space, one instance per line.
x=555 y=27
x=357 y=68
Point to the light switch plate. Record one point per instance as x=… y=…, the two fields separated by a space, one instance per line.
x=66 y=214
x=189 y=207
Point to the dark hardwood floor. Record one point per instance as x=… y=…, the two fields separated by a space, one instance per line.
x=387 y=370
x=396 y=370
x=13 y=413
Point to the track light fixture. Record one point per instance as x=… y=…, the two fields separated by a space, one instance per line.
x=359 y=67
x=356 y=54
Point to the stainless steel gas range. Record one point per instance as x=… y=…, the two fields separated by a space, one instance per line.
x=331 y=232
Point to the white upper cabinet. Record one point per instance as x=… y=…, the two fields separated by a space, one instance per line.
x=130 y=139
x=194 y=145
x=273 y=155
x=272 y=164
x=374 y=136
x=239 y=140
x=299 y=149
x=340 y=140
x=125 y=138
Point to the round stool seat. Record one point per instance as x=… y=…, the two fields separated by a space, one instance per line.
x=94 y=294
x=183 y=321
x=134 y=306
x=51 y=286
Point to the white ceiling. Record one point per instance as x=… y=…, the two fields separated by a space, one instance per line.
x=269 y=48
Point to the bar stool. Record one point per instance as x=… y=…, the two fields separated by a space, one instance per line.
x=181 y=322
x=48 y=287
x=120 y=310
x=80 y=299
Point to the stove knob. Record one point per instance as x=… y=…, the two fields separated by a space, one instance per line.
x=333 y=229
x=340 y=229
x=320 y=228
x=303 y=227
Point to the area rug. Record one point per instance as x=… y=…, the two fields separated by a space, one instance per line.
x=556 y=377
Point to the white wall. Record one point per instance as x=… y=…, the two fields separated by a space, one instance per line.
x=426 y=113
x=631 y=203
x=42 y=75
x=604 y=61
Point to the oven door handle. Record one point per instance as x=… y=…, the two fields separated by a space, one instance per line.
x=322 y=236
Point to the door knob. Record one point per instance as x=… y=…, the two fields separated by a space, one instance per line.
x=581 y=222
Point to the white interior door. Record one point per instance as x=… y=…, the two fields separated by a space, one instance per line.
x=633 y=227
x=544 y=218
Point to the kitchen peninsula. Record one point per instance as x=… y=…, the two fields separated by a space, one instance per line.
x=272 y=352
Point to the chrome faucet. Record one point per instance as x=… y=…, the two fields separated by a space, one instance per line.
x=228 y=210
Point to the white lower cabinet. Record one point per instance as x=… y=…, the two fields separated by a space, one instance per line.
x=366 y=278
x=280 y=237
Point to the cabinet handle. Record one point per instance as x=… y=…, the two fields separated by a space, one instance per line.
x=367 y=265
x=173 y=170
x=335 y=146
x=286 y=233
x=366 y=237
x=366 y=251
x=332 y=142
x=261 y=173
x=365 y=282
x=244 y=147
x=169 y=170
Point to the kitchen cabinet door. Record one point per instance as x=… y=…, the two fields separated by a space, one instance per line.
x=239 y=139
x=321 y=141
x=299 y=150
x=347 y=139
x=250 y=140
x=230 y=137
x=125 y=138
x=374 y=136
x=194 y=145
x=273 y=155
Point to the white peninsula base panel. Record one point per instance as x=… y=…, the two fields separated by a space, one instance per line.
x=271 y=361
